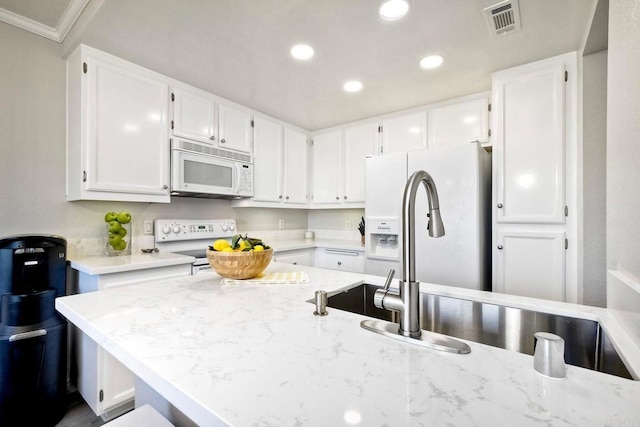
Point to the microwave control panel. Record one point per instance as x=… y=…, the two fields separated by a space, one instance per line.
x=245 y=179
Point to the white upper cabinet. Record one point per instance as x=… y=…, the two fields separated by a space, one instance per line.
x=234 y=129
x=404 y=133
x=339 y=159
x=199 y=117
x=118 y=141
x=326 y=170
x=268 y=161
x=280 y=166
x=295 y=167
x=193 y=116
x=459 y=123
x=530 y=144
x=359 y=142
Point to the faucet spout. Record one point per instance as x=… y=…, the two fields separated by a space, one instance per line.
x=407 y=301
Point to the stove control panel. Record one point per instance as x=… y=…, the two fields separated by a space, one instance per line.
x=169 y=230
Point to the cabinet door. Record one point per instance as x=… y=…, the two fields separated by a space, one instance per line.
x=117 y=382
x=339 y=259
x=530 y=146
x=193 y=116
x=530 y=263
x=459 y=123
x=295 y=167
x=299 y=257
x=405 y=133
x=326 y=168
x=359 y=142
x=126 y=116
x=268 y=161
x=234 y=129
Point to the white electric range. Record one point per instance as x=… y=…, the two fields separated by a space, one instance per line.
x=192 y=237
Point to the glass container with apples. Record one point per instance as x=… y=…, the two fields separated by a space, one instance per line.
x=118 y=233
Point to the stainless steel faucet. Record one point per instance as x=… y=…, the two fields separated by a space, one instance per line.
x=407 y=301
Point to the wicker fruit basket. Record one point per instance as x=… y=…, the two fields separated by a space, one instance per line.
x=239 y=265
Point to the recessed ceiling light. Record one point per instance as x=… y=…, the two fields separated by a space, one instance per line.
x=302 y=52
x=352 y=86
x=432 y=61
x=393 y=9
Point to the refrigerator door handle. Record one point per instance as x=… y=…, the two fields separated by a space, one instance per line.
x=27 y=335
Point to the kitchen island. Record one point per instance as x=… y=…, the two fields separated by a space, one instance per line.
x=250 y=354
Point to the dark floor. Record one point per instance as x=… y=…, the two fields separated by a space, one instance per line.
x=79 y=414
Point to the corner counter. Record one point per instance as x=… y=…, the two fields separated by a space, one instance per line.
x=256 y=355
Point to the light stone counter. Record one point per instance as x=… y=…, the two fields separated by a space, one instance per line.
x=255 y=355
x=102 y=264
x=296 y=244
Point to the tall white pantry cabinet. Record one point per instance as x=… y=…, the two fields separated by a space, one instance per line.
x=534 y=125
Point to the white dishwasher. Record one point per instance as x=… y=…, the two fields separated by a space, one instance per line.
x=340 y=259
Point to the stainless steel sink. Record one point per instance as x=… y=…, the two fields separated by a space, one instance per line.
x=586 y=343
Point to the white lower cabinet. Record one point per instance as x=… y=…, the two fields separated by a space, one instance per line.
x=531 y=263
x=295 y=257
x=340 y=259
x=104 y=383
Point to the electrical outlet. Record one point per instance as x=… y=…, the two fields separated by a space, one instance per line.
x=281 y=224
x=148 y=228
x=347 y=225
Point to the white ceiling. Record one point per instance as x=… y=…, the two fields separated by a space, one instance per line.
x=239 y=49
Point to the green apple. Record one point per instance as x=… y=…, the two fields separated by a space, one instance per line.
x=120 y=246
x=124 y=217
x=114 y=226
x=122 y=232
x=110 y=216
x=115 y=239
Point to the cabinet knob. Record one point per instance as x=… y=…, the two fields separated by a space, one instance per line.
x=337 y=197
x=295 y=262
x=500 y=247
x=223 y=140
x=213 y=138
x=339 y=262
x=345 y=197
x=280 y=196
x=499 y=205
x=164 y=187
x=287 y=197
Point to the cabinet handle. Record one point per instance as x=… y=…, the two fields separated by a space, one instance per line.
x=500 y=247
x=499 y=205
x=164 y=187
x=223 y=140
x=339 y=262
x=213 y=138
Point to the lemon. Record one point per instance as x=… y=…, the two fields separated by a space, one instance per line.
x=258 y=248
x=220 y=245
x=227 y=249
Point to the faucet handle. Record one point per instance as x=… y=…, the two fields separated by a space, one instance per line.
x=387 y=282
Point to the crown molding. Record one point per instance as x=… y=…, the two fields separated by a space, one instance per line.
x=68 y=18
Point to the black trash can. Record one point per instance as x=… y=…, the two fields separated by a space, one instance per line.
x=33 y=336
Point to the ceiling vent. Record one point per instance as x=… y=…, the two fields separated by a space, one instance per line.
x=503 y=18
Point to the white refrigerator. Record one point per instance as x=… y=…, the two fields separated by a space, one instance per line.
x=462 y=174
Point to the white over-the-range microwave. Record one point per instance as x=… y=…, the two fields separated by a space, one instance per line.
x=200 y=170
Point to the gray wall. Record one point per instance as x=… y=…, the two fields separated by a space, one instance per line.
x=32 y=160
x=623 y=138
x=594 y=151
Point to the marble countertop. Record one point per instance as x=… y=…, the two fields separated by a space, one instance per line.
x=256 y=355
x=296 y=244
x=101 y=264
